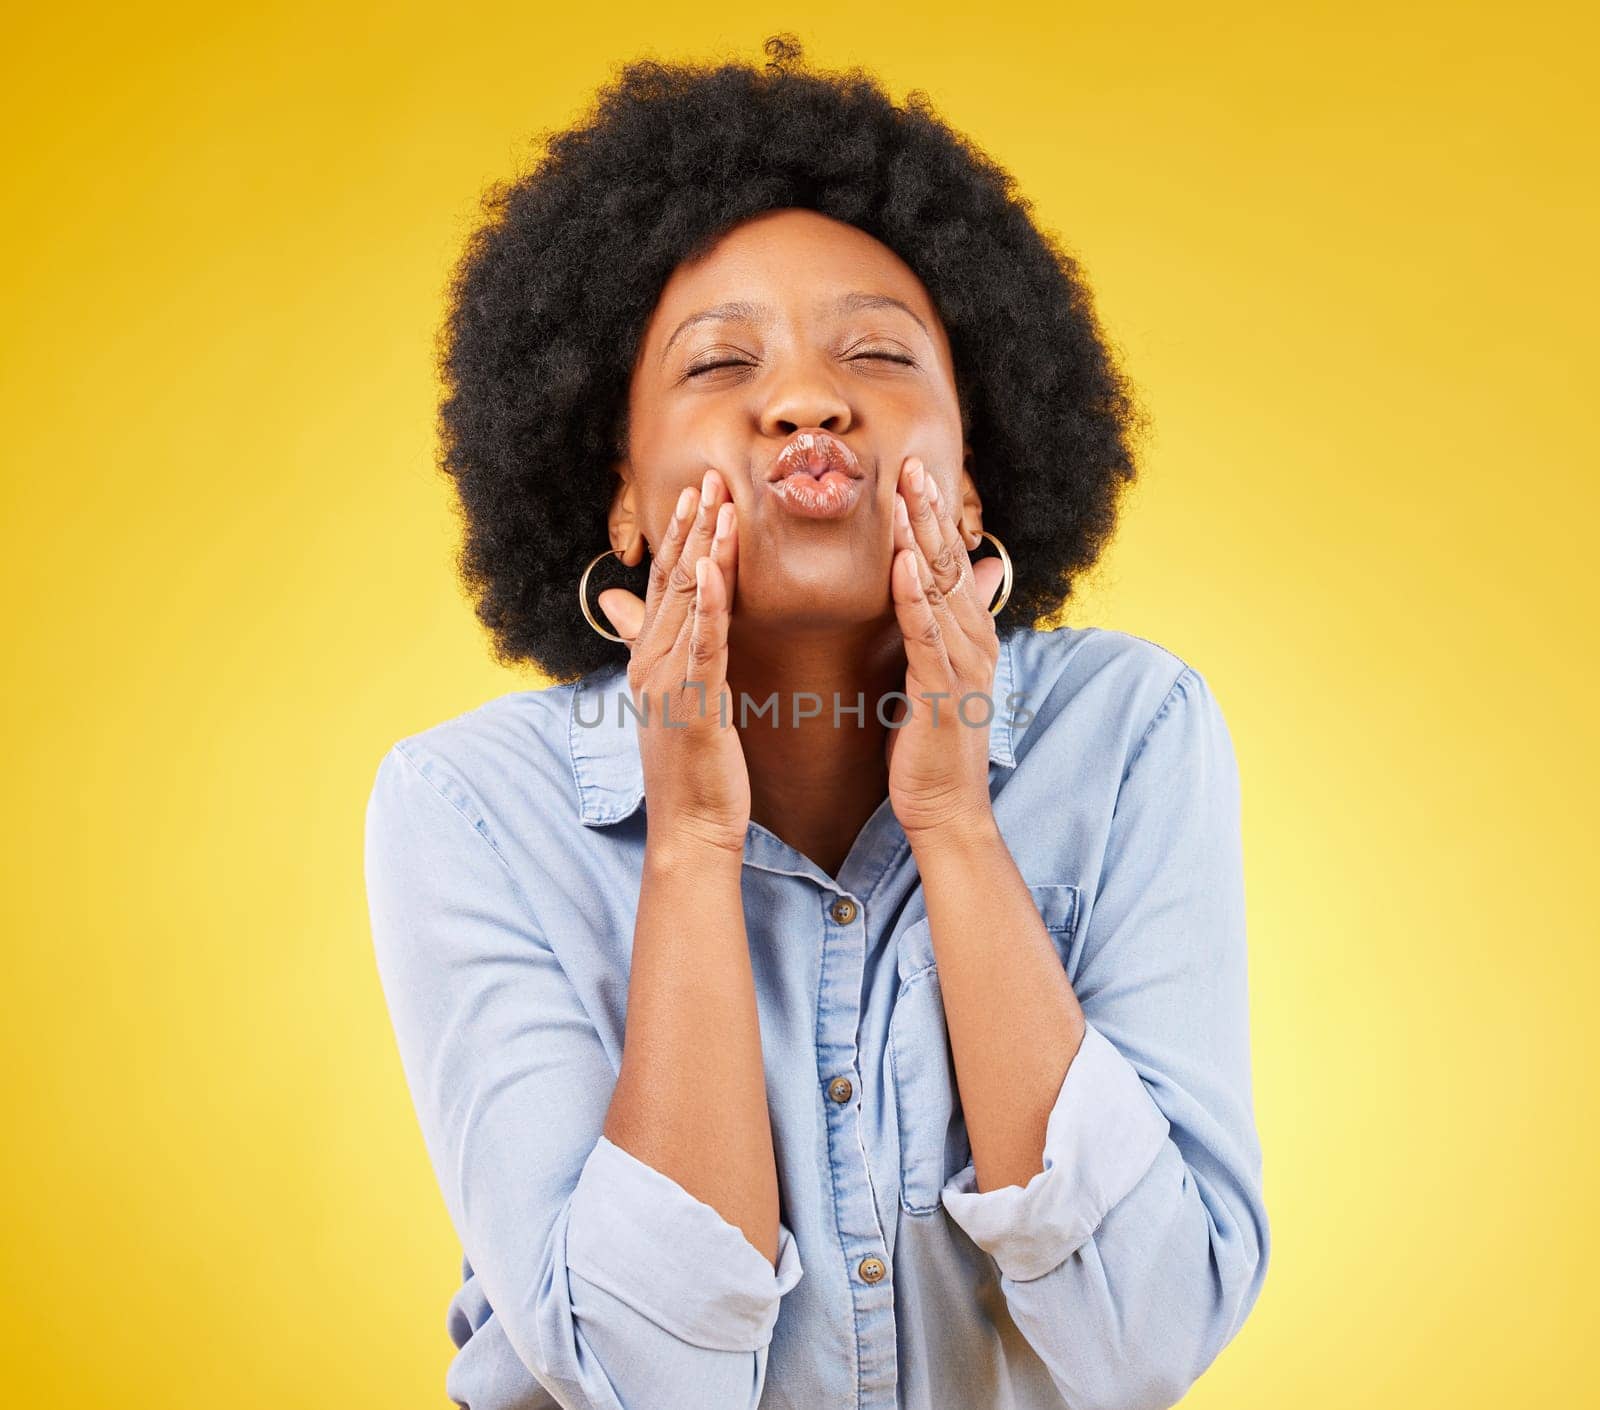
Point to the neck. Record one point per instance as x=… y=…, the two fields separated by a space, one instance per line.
x=814 y=783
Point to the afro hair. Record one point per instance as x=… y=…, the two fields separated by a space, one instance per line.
x=554 y=288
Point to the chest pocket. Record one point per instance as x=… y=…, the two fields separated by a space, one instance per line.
x=933 y=1132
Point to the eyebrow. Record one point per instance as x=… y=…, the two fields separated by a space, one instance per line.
x=741 y=310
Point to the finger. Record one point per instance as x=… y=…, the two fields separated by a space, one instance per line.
x=906 y=538
x=708 y=639
x=959 y=605
x=677 y=592
x=945 y=557
x=725 y=550
x=967 y=634
x=663 y=561
x=987 y=574
x=671 y=546
x=723 y=555
x=926 y=657
x=964 y=600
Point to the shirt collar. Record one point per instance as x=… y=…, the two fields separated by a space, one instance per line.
x=605 y=755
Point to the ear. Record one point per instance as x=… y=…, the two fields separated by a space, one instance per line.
x=969 y=511
x=627 y=531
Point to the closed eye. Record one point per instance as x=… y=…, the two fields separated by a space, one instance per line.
x=736 y=362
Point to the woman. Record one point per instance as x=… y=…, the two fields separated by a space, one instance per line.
x=775 y=1044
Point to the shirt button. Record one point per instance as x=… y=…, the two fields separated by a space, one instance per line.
x=839 y=1089
x=871 y=1270
x=843 y=910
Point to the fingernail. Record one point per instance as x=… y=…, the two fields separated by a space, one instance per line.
x=724 y=521
x=705 y=488
x=914 y=471
x=685 y=499
x=933 y=489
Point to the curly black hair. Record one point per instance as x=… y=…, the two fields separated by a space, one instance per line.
x=554 y=290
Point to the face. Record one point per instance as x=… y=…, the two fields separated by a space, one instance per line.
x=834 y=334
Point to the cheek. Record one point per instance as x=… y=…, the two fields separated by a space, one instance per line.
x=924 y=418
x=655 y=497
x=662 y=466
x=677 y=445
x=932 y=434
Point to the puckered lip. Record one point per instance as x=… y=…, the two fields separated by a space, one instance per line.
x=816 y=453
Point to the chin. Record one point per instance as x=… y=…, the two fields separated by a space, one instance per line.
x=811 y=601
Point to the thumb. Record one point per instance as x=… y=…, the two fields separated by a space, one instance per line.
x=624 y=610
x=988 y=574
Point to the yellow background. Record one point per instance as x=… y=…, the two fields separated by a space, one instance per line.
x=1349 y=258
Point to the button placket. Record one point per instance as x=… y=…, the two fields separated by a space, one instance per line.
x=858 y=1228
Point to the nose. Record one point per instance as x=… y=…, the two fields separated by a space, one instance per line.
x=804 y=394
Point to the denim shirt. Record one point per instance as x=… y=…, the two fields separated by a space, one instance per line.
x=504 y=852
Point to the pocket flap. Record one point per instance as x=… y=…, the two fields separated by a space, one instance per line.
x=1058 y=909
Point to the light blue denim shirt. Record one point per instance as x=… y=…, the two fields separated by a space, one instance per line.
x=503 y=860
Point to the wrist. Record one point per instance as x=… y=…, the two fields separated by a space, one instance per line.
x=676 y=846
x=961 y=830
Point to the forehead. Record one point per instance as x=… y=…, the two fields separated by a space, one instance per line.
x=796 y=261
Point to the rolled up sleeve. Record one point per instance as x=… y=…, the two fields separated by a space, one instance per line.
x=1132 y=1259
x=642 y=1237
x=614 y=1286
x=1103 y=1133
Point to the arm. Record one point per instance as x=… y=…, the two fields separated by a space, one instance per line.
x=1121 y=1191
x=616 y=1287
x=688 y=981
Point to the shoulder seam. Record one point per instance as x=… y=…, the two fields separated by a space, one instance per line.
x=481 y=830
x=1155 y=719
x=478 y=825
x=1164 y=650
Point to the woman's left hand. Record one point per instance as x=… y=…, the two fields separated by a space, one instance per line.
x=938 y=763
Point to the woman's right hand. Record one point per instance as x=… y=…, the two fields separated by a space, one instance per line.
x=696 y=782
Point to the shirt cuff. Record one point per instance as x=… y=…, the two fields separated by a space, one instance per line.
x=639 y=1235
x=1104 y=1132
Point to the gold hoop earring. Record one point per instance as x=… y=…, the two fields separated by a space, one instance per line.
x=1005 y=582
x=583 y=595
